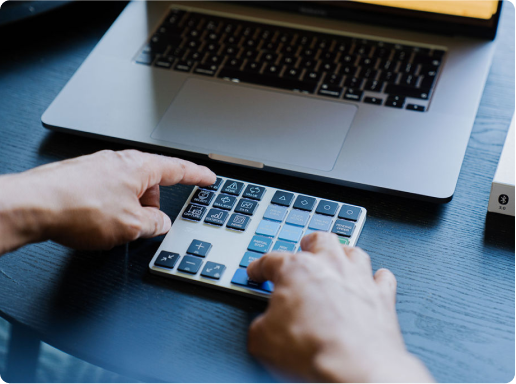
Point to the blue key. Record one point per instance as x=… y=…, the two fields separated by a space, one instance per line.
x=260 y=244
x=268 y=228
x=308 y=231
x=297 y=217
x=240 y=278
x=290 y=233
x=320 y=223
x=248 y=258
x=275 y=212
x=283 y=246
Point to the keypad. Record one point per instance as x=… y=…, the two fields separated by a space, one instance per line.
x=259 y=219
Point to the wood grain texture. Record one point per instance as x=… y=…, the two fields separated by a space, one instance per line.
x=454 y=264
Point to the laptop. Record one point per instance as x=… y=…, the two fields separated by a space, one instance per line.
x=377 y=95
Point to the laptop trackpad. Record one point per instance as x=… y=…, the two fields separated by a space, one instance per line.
x=273 y=128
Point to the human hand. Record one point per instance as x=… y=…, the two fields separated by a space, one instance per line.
x=329 y=319
x=95 y=201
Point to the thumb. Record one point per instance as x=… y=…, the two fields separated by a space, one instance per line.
x=155 y=222
x=386 y=281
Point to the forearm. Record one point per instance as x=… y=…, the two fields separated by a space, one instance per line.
x=22 y=217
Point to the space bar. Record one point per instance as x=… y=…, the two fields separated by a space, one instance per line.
x=268 y=81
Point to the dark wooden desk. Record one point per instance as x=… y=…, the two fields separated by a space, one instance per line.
x=455 y=265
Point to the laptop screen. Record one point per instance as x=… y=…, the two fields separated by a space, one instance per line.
x=476 y=18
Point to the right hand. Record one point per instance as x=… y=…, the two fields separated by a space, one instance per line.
x=329 y=319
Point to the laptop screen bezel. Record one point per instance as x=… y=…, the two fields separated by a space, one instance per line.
x=391 y=17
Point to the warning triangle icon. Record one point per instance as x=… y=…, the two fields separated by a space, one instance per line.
x=232 y=186
x=282 y=198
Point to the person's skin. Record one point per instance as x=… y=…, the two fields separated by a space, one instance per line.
x=328 y=318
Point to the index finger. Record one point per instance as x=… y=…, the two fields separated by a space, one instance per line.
x=164 y=170
x=268 y=267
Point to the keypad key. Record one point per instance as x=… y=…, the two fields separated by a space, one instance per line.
x=373 y=100
x=213 y=270
x=238 y=222
x=240 y=278
x=268 y=228
x=199 y=248
x=194 y=212
x=249 y=257
x=299 y=218
x=190 y=264
x=395 y=102
x=260 y=244
x=320 y=223
x=349 y=212
x=215 y=186
x=225 y=202
x=343 y=240
x=283 y=246
x=216 y=217
x=415 y=107
x=233 y=187
x=166 y=259
x=306 y=203
x=282 y=198
x=343 y=227
x=254 y=192
x=330 y=90
x=353 y=94
x=275 y=212
x=326 y=207
x=246 y=207
x=203 y=197
x=290 y=233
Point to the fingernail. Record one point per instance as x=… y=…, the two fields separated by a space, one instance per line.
x=167 y=223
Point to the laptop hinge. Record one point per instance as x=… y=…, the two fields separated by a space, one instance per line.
x=235 y=160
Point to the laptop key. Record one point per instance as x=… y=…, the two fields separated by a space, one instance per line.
x=184 y=65
x=415 y=107
x=164 y=62
x=402 y=90
x=394 y=103
x=373 y=100
x=282 y=198
x=206 y=69
x=190 y=264
x=330 y=90
x=373 y=86
x=353 y=94
x=275 y=82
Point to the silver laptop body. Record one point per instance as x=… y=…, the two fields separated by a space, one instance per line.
x=398 y=151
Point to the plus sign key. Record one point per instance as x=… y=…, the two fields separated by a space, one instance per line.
x=199 y=248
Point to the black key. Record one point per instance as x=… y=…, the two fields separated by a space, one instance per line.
x=305 y=203
x=178 y=52
x=368 y=73
x=252 y=67
x=212 y=25
x=305 y=40
x=415 y=107
x=307 y=63
x=194 y=55
x=202 y=197
x=184 y=65
x=353 y=94
x=238 y=222
x=313 y=76
x=158 y=44
x=164 y=61
x=328 y=208
x=348 y=59
x=402 y=90
x=282 y=198
x=343 y=227
x=254 y=192
x=247 y=207
x=427 y=60
x=233 y=187
x=438 y=53
x=224 y=202
x=232 y=40
x=215 y=186
x=395 y=103
x=408 y=68
x=289 y=49
x=387 y=65
x=285 y=38
x=342 y=47
x=270 y=47
x=401 y=55
x=382 y=52
x=212 y=58
x=193 y=44
x=330 y=90
x=327 y=67
x=266 y=34
x=363 y=49
x=427 y=82
x=214 y=37
x=194 y=33
x=199 y=248
x=323 y=44
x=408 y=79
x=232 y=51
x=428 y=71
x=206 y=69
x=250 y=43
x=211 y=47
x=166 y=259
x=276 y=82
x=249 y=54
x=373 y=100
x=145 y=58
x=233 y=63
x=248 y=31
x=175 y=16
x=333 y=79
x=353 y=82
x=289 y=60
x=190 y=264
x=194 y=212
x=328 y=56
x=424 y=51
x=348 y=70
x=229 y=28
x=349 y=212
x=373 y=86
x=213 y=270
x=272 y=70
x=292 y=73
x=388 y=76
x=269 y=57
x=308 y=53
x=216 y=217
x=367 y=62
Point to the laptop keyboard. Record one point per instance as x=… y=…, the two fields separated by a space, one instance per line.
x=333 y=66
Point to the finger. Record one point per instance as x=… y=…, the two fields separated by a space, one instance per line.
x=386 y=281
x=358 y=257
x=268 y=267
x=322 y=242
x=154 y=222
x=164 y=170
x=151 y=197
x=255 y=339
